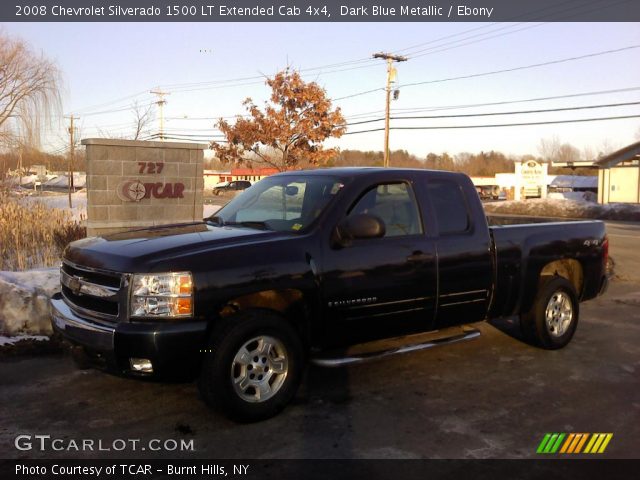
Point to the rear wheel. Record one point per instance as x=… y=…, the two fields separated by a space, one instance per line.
x=252 y=366
x=553 y=318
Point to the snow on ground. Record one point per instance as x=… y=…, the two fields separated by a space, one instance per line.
x=4 y=341
x=61 y=201
x=565 y=208
x=24 y=301
x=79 y=203
x=576 y=196
x=62 y=181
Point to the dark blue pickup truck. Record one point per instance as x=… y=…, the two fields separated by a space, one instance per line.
x=305 y=263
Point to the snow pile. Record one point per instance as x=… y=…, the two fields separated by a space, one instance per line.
x=564 y=208
x=575 y=196
x=62 y=181
x=24 y=301
x=78 y=201
x=24 y=180
x=4 y=341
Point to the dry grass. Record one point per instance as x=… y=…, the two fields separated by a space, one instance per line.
x=34 y=236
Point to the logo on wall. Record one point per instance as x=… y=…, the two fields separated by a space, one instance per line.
x=135 y=190
x=131 y=191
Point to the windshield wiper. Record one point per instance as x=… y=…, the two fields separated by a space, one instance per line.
x=216 y=220
x=251 y=224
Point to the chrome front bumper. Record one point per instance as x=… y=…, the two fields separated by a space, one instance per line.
x=80 y=331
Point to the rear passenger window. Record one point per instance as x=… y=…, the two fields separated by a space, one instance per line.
x=395 y=205
x=450 y=206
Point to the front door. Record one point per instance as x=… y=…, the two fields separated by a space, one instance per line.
x=381 y=287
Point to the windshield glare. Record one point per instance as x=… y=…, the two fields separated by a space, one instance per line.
x=281 y=203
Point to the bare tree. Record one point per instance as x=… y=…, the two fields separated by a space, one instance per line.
x=549 y=147
x=567 y=153
x=29 y=90
x=587 y=153
x=606 y=147
x=143 y=117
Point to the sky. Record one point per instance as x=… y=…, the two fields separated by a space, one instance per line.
x=108 y=66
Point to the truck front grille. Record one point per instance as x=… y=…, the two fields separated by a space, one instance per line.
x=90 y=292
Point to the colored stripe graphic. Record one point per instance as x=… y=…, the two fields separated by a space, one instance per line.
x=543 y=443
x=581 y=443
x=607 y=439
x=555 y=443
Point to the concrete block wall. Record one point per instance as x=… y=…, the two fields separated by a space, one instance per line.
x=114 y=168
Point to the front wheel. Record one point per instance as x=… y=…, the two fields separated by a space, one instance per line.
x=553 y=317
x=252 y=366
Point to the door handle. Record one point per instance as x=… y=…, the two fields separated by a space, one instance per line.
x=418 y=256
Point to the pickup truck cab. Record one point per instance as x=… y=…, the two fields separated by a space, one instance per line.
x=305 y=262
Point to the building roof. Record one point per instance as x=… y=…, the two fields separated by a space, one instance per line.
x=624 y=154
x=263 y=171
x=573 y=181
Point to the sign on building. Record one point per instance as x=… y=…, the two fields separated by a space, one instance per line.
x=531 y=180
x=132 y=184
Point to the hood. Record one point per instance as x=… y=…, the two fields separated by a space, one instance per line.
x=140 y=250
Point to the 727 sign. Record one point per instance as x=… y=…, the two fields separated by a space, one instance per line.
x=151 y=167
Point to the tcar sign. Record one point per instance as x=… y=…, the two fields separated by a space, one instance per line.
x=135 y=190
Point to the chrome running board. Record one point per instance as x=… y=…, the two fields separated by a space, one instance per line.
x=369 y=356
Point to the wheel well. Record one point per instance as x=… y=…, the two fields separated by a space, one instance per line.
x=568 y=268
x=287 y=302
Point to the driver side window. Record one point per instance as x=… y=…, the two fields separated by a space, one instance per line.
x=395 y=204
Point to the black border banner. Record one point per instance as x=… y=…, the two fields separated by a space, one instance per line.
x=582 y=469
x=320 y=11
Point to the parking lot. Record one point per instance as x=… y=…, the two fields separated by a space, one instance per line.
x=493 y=397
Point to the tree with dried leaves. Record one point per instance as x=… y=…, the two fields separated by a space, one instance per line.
x=29 y=91
x=288 y=132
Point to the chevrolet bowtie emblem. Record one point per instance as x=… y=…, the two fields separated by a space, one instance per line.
x=75 y=285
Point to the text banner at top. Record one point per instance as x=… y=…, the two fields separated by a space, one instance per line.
x=320 y=11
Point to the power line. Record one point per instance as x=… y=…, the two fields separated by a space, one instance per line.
x=488 y=104
x=550 y=122
x=572 y=11
x=535 y=99
x=525 y=67
x=482 y=27
x=496 y=72
x=111 y=102
x=521 y=112
x=104 y=112
x=438 y=49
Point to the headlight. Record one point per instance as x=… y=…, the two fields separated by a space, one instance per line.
x=162 y=295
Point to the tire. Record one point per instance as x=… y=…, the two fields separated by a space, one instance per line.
x=553 y=317
x=252 y=366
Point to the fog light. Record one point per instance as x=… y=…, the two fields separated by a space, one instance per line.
x=143 y=365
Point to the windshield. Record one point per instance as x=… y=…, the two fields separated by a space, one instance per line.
x=280 y=203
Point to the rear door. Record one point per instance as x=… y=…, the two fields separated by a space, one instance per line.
x=384 y=286
x=463 y=245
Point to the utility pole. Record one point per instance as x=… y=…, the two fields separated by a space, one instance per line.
x=390 y=59
x=160 y=102
x=72 y=152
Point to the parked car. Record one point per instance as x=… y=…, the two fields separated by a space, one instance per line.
x=231 y=186
x=486 y=192
x=305 y=264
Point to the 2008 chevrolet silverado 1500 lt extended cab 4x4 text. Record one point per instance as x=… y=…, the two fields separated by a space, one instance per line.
x=305 y=262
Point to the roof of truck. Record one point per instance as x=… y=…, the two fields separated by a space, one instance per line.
x=360 y=171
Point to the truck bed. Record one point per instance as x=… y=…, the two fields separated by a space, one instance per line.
x=523 y=250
